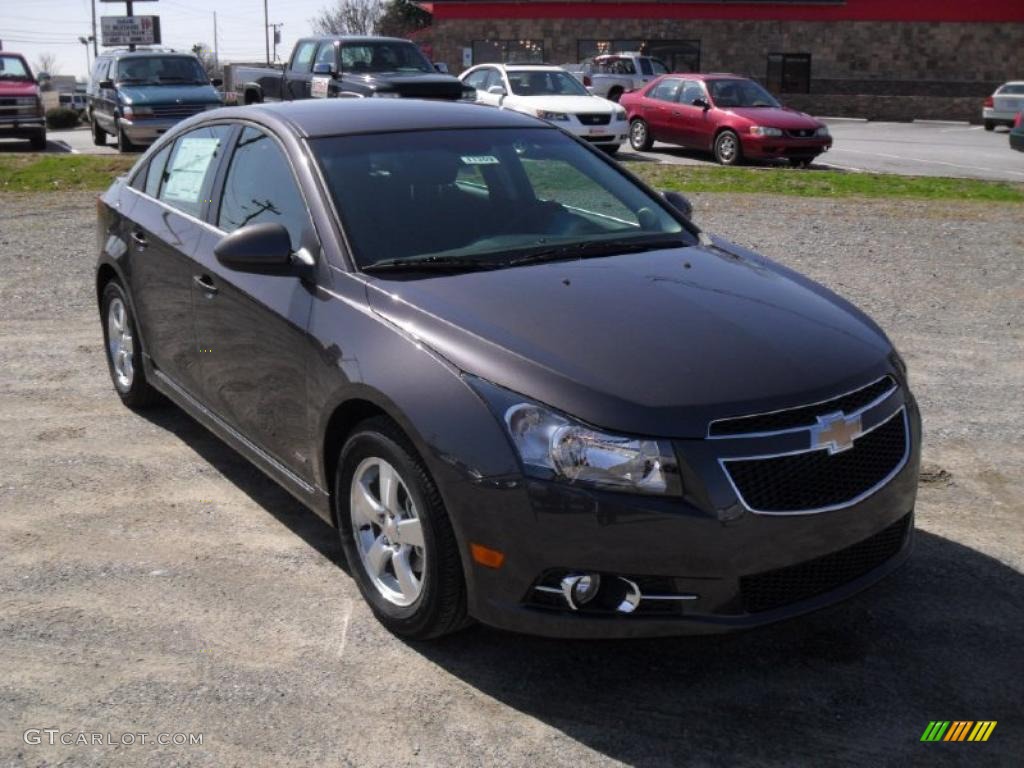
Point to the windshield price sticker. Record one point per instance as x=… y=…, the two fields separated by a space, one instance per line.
x=480 y=160
x=185 y=179
x=318 y=88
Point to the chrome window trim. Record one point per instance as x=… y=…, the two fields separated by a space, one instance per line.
x=771 y=433
x=831 y=508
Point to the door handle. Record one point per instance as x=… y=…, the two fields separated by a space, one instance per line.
x=205 y=282
x=140 y=239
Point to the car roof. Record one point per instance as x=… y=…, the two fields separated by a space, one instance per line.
x=314 y=118
x=143 y=54
x=355 y=39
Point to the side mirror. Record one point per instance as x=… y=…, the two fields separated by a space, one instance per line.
x=496 y=90
x=217 y=82
x=701 y=103
x=323 y=69
x=441 y=67
x=265 y=249
x=106 y=84
x=679 y=202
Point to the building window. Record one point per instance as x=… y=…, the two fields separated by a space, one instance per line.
x=508 y=51
x=789 y=72
x=678 y=55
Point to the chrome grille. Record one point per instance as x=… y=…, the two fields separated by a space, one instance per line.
x=802 y=416
x=594 y=119
x=177 y=111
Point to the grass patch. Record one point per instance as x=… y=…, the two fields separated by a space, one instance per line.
x=808 y=183
x=52 y=173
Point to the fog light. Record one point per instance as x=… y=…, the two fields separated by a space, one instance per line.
x=580 y=589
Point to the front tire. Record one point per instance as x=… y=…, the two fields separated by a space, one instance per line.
x=38 y=142
x=396 y=534
x=611 y=149
x=124 y=144
x=990 y=125
x=124 y=352
x=727 y=148
x=99 y=136
x=640 y=137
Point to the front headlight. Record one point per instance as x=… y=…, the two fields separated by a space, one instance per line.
x=765 y=130
x=822 y=131
x=132 y=113
x=386 y=95
x=554 y=446
x=620 y=115
x=557 y=117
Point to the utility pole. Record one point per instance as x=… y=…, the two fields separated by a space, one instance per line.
x=131 y=47
x=266 y=30
x=95 y=49
x=216 y=50
x=277 y=37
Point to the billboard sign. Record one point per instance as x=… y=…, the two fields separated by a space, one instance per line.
x=130 y=30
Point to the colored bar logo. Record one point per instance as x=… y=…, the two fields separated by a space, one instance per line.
x=958 y=730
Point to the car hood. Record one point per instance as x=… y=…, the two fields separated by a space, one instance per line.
x=781 y=117
x=655 y=343
x=18 y=88
x=169 y=94
x=571 y=104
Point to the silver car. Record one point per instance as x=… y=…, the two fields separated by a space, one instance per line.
x=1002 y=106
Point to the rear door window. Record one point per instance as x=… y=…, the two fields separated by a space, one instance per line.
x=191 y=167
x=155 y=171
x=667 y=90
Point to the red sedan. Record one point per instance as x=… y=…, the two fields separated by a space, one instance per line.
x=729 y=115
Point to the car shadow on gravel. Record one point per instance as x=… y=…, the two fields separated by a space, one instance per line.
x=261 y=489
x=855 y=684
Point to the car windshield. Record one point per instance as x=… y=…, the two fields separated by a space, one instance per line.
x=485 y=198
x=13 y=68
x=740 y=93
x=1012 y=90
x=383 y=57
x=161 y=70
x=526 y=82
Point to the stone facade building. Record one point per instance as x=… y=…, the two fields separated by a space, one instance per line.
x=880 y=59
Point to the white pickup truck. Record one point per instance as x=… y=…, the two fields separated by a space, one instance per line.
x=614 y=74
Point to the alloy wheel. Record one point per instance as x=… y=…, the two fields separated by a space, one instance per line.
x=387 y=531
x=120 y=344
x=727 y=147
x=638 y=134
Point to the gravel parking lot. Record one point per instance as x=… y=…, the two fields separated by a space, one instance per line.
x=153 y=582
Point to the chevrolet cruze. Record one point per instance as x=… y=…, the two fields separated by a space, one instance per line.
x=525 y=388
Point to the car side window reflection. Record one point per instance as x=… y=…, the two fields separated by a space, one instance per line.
x=191 y=167
x=667 y=90
x=260 y=188
x=155 y=171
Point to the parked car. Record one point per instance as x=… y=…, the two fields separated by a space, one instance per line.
x=728 y=115
x=137 y=96
x=1002 y=106
x=553 y=94
x=22 y=115
x=347 y=66
x=1017 y=134
x=525 y=387
x=614 y=74
x=75 y=101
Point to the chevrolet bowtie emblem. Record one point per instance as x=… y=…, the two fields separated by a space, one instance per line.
x=835 y=431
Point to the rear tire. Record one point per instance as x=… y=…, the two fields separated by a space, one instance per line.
x=615 y=94
x=990 y=125
x=124 y=350
x=99 y=136
x=728 y=150
x=800 y=162
x=640 y=137
x=380 y=554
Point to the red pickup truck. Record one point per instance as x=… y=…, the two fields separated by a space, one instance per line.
x=21 y=106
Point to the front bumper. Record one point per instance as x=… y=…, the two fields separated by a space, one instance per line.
x=21 y=127
x=615 y=133
x=706 y=549
x=769 y=147
x=146 y=131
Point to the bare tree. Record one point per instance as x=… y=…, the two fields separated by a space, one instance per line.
x=46 y=62
x=205 y=54
x=349 y=17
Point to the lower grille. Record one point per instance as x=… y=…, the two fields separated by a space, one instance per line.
x=803 y=133
x=774 y=589
x=594 y=119
x=180 y=111
x=817 y=480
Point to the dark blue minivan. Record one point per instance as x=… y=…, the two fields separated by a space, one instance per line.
x=136 y=96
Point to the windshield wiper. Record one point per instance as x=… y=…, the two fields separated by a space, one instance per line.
x=429 y=263
x=594 y=249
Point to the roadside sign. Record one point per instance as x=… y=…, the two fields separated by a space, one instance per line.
x=130 y=30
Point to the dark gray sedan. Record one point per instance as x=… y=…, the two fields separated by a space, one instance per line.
x=524 y=387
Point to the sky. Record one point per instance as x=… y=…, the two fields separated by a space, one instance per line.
x=34 y=27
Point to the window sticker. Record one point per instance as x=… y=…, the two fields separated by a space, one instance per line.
x=480 y=160
x=185 y=177
x=318 y=88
